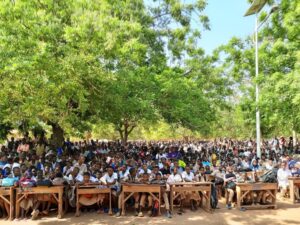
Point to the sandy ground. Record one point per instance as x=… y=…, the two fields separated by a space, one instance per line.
x=286 y=213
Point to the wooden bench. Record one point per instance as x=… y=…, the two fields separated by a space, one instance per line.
x=203 y=187
x=91 y=189
x=242 y=189
x=55 y=191
x=293 y=181
x=129 y=188
x=7 y=195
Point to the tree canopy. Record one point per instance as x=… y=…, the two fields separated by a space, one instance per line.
x=71 y=65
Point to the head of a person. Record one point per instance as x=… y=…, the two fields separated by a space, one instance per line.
x=110 y=171
x=75 y=171
x=214 y=162
x=57 y=169
x=86 y=177
x=254 y=163
x=34 y=171
x=17 y=172
x=98 y=174
x=175 y=170
x=145 y=177
x=155 y=169
x=229 y=169
x=81 y=159
x=158 y=176
x=187 y=169
x=283 y=165
x=3 y=157
x=145 y=167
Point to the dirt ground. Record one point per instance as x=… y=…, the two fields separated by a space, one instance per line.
x=286 y=213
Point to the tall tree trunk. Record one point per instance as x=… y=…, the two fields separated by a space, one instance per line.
x=57 y=137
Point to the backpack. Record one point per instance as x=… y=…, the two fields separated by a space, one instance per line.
x=213 y=197
x=269 y=177
x=155 y=208
x=46 y=183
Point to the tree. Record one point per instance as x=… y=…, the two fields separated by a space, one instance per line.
x=72 y=63
x=279 y=71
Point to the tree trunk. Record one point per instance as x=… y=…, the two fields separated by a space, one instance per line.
x=124 y=130
x=57 y=137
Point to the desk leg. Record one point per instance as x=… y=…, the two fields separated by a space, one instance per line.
x=274 y=200
x=123 y=204
x=208 y=208
x=60 y=204
x=238 y=194
x=292 y=191
x=110 y=211
x=11 y=205
x=17 y=206
x=171 y=199
x=77 y=205
x=159 y=201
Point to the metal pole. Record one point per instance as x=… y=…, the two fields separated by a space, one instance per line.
x=258 y=150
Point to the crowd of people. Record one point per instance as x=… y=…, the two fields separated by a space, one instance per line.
x=30 y=162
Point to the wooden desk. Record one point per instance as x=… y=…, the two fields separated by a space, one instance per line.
x=91 y=189
x=293 y=181
x=243 y=189
x=203 y=187
x=55 y=191
x=7 y=195
x=140 y=188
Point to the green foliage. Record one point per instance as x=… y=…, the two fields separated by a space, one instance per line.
x=71 y=64
x=279 y=71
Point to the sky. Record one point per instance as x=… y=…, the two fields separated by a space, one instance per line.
x=226 y=20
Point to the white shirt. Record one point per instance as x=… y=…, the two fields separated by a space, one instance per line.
x=82 y=168
x=189 y=177
x=159 y=156
x=142 y=171
x=174 y=178
x=282 y=177
x=79 y=178
x=107 y=179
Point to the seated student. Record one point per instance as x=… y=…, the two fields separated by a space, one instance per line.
x=143 y=196
x=229 y=180
x=282 y=176
x=158 y=180
x=165 y=171
x=12 y=180
x=74 y=176
x=155 y=171
x=131 y=177
x=89 y=199
x=144 y=169
x=110 y=179
x=176 y=177
x=41 y=198
x=193 y=196
x=28 y=202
